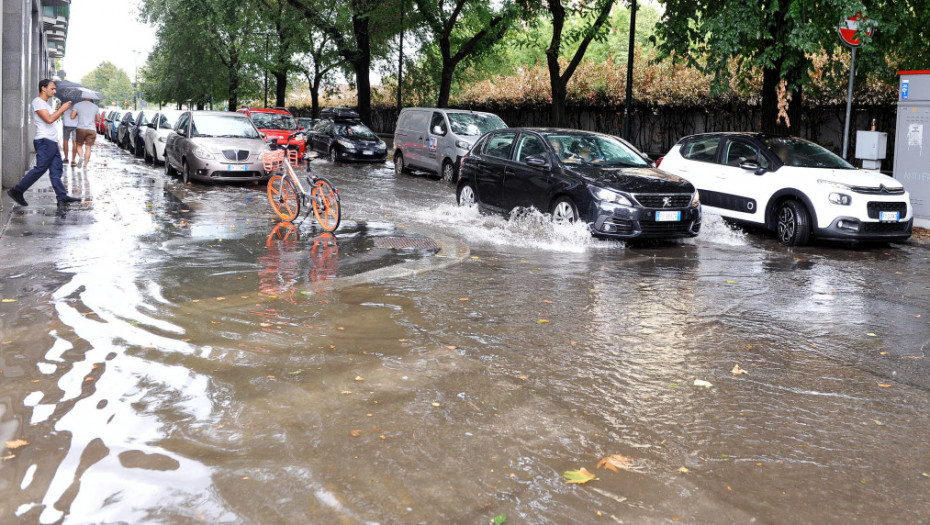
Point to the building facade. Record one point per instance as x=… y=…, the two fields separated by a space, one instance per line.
x=34 y=35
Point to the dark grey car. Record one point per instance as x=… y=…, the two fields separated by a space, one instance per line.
x=217 y=146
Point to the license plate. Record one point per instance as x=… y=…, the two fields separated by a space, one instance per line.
x=368 y=152
x=889 y=216
x=665 y=216
x=237 y=167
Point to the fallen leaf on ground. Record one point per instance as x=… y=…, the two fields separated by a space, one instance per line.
x=542 y=321
x=578 y=476
x=911 y=357
x=10 y=300
x=16 y=443
x=737 y=370
x=359 y=378
x=355 y=432
x=614 y=462
x=684 y=470
x=451 y=347
x=464 y=299
x=731 y=282
x=871 y=334
x=701 y=382
x=884 y=385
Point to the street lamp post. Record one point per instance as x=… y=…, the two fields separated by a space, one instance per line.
x=629 y=73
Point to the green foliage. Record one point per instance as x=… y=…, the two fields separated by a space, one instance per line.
x=113 y=82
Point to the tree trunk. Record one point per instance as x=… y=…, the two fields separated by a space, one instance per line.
x=362 y=64
x=448 y=68
x=770 y=79
x=315 y=96
x=280 y=78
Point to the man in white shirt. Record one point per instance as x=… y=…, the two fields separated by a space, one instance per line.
x=68 y=127
x=48 y=156
x=84 y=113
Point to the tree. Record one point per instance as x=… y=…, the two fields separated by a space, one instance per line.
x=471 y=26
x=111 y=81
x=775 y=36
x=320 y=61
x=592 y=18
x=349 y=27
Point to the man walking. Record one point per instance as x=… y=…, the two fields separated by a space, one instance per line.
x=85 y=112
x=68 y=127
x=48 y=156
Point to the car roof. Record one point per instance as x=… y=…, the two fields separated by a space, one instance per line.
x=749 y=134
x=269 y=110
x=235 y=114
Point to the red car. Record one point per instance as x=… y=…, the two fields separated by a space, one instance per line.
x=277 y=124
x=101 y=120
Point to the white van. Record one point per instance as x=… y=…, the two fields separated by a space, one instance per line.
x=434 y=140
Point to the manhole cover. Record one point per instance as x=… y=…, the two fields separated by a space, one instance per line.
x=406 y=243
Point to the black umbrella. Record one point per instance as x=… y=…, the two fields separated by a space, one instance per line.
x=74 y=92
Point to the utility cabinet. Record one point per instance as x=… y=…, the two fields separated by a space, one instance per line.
x=912 y=142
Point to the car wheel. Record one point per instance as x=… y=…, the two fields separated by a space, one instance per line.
x=448 y=171
x=186 y=173
x=793 y=227
x=399 y=167
x=169 y=171
x=466 y=196
x=145 y=155
x=333 y=154
x=564 y=210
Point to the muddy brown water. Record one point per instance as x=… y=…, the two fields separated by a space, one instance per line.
x=178 y=360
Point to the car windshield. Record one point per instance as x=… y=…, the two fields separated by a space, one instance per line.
x=168 y=120
x=274 y=121
x=474 y=124
x=803 y=154
x=355 y=131
x=585 y=149
x=233 y=126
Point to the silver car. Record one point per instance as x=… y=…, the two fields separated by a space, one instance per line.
x=217 y=146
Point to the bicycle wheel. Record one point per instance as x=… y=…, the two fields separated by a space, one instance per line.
x=325 y=201
x=284 y=198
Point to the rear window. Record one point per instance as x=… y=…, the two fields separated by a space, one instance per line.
x=499 y=145
x=701 y=149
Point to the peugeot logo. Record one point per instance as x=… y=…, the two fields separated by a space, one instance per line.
x=666 y=202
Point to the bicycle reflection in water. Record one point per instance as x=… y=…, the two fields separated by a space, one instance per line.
x=286 y=262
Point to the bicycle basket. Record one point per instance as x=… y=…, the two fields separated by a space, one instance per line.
x=273 y=160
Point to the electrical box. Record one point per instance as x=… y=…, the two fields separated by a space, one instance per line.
x=912 y=142
x=871 y=147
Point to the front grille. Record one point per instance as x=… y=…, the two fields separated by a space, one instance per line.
x=881 y=190
x=656 y=228
x=658 y=200
x=885 y=227
x=876 y=207
x=236 y=174
x=236 y=155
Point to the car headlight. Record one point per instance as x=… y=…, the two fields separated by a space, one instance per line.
x=840 y=198
x=695 y=199
x=462 y=144
x=382 y=145
x=202 y=153
x=609 y=196
x=346 y=144
x=838 y=185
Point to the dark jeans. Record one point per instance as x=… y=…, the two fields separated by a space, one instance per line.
x=48 y=158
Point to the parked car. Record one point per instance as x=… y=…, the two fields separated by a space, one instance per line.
x=215 y=146
x=341 y=136
x=100 y=123
x=793 y=187
x=122 y=129
x=578 y=175
x=137 y=127
x=277 y=124
x=156 y=134
x=434 y=139
x=307 y=123
x=112 y=124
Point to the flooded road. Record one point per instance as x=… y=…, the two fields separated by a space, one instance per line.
x=181 y=357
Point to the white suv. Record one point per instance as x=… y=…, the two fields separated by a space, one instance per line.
x=791 y=186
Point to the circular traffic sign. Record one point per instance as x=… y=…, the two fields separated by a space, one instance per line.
x=848 y=29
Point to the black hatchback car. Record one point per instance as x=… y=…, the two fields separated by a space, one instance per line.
x=341 y=136
x=578 y=175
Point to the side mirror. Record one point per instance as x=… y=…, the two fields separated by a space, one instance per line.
x=537 y=161
x=262 y=135
x=150 y=125
x=753 y=166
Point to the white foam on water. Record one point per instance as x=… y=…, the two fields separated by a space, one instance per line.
x=523 y=228
x=715 y=230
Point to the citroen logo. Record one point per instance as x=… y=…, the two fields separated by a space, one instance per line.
x=882 y=188
x=666 y=202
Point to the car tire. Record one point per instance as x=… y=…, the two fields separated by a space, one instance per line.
x=169 y=171
x=333 y=154
x=466 y=196
x=792 y=223
x=448 y=172
x=564 y=210
x=148 y=159
x=185 y=173
x=399 y=168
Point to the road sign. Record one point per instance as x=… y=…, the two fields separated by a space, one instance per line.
x=848 y=29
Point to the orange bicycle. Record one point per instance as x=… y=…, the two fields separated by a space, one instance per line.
x=287 y=195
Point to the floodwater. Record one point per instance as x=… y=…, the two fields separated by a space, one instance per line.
x=184 y=358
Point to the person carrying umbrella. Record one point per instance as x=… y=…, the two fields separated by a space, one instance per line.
x=85 y=113
x=48 y=156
